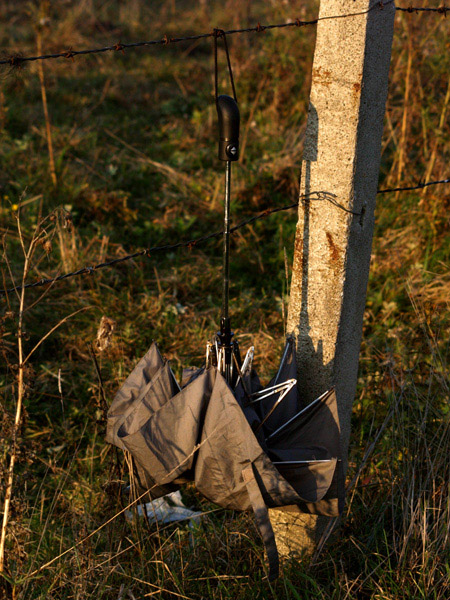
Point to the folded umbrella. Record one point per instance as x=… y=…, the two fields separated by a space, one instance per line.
x=246 y=446
x=205 y=433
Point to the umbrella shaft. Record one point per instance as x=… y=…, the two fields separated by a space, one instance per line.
x=226 y=242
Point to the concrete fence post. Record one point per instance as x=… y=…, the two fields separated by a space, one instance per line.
x=341 y=160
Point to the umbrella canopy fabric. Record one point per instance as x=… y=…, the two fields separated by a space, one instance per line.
x=212 y=435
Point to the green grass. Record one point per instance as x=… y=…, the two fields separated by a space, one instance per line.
x=112 y=116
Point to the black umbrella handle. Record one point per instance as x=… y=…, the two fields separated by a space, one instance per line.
x=229 y=120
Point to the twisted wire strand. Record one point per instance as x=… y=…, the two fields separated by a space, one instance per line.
x=148 y=252
x=418 y=186
x=17 y=59
x=443 y=10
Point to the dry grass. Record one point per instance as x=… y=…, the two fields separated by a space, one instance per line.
x=133 y=138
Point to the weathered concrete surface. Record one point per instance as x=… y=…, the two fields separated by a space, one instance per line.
x=332 y=247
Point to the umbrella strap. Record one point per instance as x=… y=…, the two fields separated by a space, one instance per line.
x=262 y=520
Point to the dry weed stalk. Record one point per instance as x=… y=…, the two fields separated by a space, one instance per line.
x=39 y=14
x=28 y=253
x=48 y=129
x=39 y=237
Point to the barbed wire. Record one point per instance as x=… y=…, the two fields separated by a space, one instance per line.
x=413 y=187
x=148 y=252
x=416 y=9
x=16 y=60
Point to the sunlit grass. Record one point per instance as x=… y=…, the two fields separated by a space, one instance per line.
x=115 y=119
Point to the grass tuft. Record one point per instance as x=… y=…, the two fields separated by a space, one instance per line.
x=133 y=140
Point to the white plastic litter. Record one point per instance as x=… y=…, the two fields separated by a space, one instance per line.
x=160 y=511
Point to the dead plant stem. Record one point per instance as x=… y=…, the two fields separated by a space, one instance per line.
x=52 y=330
x=19 y=405
x=403 y=137
x=438 y=140
x=40 y=68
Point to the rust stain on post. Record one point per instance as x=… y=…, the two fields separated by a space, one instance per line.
x=335 y=254
x=298 y=251
x=322 y=76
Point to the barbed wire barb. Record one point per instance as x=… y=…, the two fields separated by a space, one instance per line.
x=149 y=252
x=17 y=59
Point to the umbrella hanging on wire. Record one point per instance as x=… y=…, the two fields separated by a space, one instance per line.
x=245 y=445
